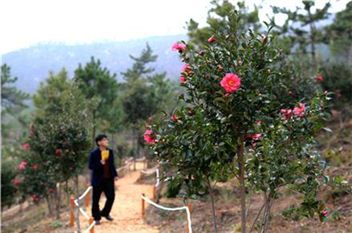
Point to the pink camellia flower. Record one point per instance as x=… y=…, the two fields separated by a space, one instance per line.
x=182 y=80
x=58 y=152
x=174 y=118
x=319 y=78
x=26 y=146
x=255 y=136
x=186 y=68
x=149 y=136
x=325 y=213
x=211 y=39
x=16 y=182
x=231 y=83
x=35 y=166
x=35 y=198
x=286 y=113
x=22 y=165
x=299 y=111
x=180 y=47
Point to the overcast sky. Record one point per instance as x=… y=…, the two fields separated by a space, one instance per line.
x=25 y=23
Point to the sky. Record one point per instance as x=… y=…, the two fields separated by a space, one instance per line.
x=25 y=23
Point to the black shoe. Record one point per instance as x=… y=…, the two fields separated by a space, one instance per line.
x=108 y=218
x=97 y=222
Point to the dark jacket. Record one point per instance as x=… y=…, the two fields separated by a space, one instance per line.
x=97 y=168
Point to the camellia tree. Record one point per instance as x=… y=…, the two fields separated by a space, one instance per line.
x=58 y=143
x=243 y=117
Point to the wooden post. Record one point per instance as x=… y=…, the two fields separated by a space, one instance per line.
x=87 y=200
x=143 y=205
x=90 y=222
x=72 y=209
x=154 y=192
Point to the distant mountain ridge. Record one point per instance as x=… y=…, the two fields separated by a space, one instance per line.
x=32 y=65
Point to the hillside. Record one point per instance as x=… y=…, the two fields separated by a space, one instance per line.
x=32 y=65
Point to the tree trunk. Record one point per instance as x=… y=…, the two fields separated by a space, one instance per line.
x=77 y=209
x=241 y=166
x=212 y=205
x=312 y=40
x=50 y=208
x=57 y=201
x=134 y=147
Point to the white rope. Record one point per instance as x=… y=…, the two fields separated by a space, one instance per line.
x=90 y=227
x=85 y=193
x=140 y=160
x=150 y=170
x=172 y=209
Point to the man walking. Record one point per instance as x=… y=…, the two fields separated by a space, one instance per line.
x=101 y=162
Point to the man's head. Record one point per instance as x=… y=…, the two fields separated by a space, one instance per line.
x=102 y=140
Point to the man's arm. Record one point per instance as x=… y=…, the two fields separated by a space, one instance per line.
x=94 y=163
x=113 y=163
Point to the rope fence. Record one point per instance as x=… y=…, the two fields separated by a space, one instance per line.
x=187 y=208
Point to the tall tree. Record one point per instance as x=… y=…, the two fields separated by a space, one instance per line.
x=340 y=34
x=301 y=28
x=100 y=86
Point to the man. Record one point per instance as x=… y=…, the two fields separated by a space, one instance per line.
x=101 y=162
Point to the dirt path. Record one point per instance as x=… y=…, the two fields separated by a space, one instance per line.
x=127 y=207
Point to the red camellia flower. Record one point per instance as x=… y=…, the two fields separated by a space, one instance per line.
x=231 y=83
x=319 y=78
x=58 y=152
x=174 y=118
x=182 y=80
x=16 y=182
x=255 y=136
x=26 y=146
x=35 y=198
x=299 y=111
x=186 y=68
x=180 y=47
x=149 y=137
x=22 y=165
x=35 y=166
x=211 y=39
x=286 y=113
x=325 y=213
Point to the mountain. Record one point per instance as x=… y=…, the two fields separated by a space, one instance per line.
x=32 y=65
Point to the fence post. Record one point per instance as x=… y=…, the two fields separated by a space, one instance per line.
x=154 y=192
x=143 y=205
x=90 y=222
x=72 y=208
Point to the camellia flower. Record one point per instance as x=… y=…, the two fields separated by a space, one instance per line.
x=180 y=47
x=186 y=68
x=22 y=165
x=35 y=166
x=58 y=152
x=255 y=136
x=35 y=198
x=26 y=146
x=149 y=136
x=182 y=80
x=231 y=82
x=286 y=113
x=319 y=78
x=211 y=39
x=325 y=213
x=174 y=118
x=16 y=182
x=299 y=111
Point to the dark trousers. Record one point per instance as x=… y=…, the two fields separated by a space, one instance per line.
x=107 y=186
